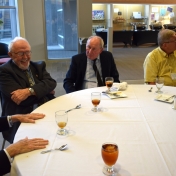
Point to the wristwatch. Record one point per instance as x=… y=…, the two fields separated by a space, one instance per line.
x=31 y=91
x=10 y=120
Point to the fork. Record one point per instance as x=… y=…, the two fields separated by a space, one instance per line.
x=110 y=93
x=114 y=94
x=167 y=99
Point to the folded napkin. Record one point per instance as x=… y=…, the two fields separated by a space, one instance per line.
x=165 y=98
x=120 y=86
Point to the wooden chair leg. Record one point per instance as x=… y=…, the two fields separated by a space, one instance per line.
x=3 y=144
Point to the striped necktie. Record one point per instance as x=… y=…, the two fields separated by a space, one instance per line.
x=30 y=78
x=97 y=74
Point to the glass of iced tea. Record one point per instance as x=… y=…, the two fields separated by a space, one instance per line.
x=95 y=98
x=109 y=82
x=109 y=153
x=61 y=118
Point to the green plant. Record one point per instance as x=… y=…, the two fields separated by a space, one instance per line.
x=1 y=22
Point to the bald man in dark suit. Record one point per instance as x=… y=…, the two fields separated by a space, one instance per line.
x=81 y=74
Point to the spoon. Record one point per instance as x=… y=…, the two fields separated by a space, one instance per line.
x=150 y=90
x=63 y=147
x=77 y=107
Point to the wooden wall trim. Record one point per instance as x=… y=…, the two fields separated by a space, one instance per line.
x=135 y=1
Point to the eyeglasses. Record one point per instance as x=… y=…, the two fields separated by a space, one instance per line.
x=171 y=41
x=27 y=53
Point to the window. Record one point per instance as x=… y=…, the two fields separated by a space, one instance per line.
x=8 y=20
x=61 y=28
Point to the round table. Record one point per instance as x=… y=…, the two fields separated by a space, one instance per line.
x=143 y=128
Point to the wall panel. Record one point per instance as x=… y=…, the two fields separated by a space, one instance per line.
x=33 y=25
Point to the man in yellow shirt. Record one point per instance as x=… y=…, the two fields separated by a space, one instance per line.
x=161 y=62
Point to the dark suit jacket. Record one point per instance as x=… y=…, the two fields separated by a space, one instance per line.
x=13 y=78
x=4 y=161
x=76 y=73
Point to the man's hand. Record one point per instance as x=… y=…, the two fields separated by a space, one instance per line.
x=19 y=95
x=26 y=145
x=151 y=83
x=52 y=92
x=27 y=118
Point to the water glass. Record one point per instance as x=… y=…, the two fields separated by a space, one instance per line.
x=159 y=84
x=109 y=153
x=61 y=118
x=109 y=82
x=95 y=98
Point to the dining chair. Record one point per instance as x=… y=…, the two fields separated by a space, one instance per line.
x=3 y=144
x=3 y=50
x=4 y=57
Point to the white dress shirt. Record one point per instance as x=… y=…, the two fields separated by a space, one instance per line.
x=90 y=80
x=10 y=125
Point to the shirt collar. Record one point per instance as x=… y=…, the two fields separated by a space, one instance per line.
x=98 y=58
x=165 y=54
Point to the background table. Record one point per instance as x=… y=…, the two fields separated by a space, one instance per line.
x=143 y=128
x=145 y=36
x=137 y=38
x=118 y=36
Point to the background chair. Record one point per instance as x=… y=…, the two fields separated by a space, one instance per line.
x=4 y=57
x=3 y=143
x=3 y=50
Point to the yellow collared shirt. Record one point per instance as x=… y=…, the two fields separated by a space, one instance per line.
x=159 y=64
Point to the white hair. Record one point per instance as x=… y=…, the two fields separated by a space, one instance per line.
x=10 y=47
x=99 y=38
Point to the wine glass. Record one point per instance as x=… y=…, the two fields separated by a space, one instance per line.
x=159 y=84
x=109 y=153
x=95 y=97
x=61 y=120
x=109 y=82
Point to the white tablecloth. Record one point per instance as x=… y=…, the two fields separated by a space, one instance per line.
x=143 y=128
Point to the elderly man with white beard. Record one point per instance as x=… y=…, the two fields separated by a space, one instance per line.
x=24 y=85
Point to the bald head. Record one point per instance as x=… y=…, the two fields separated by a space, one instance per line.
x=164 y=36
x=94 y=47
